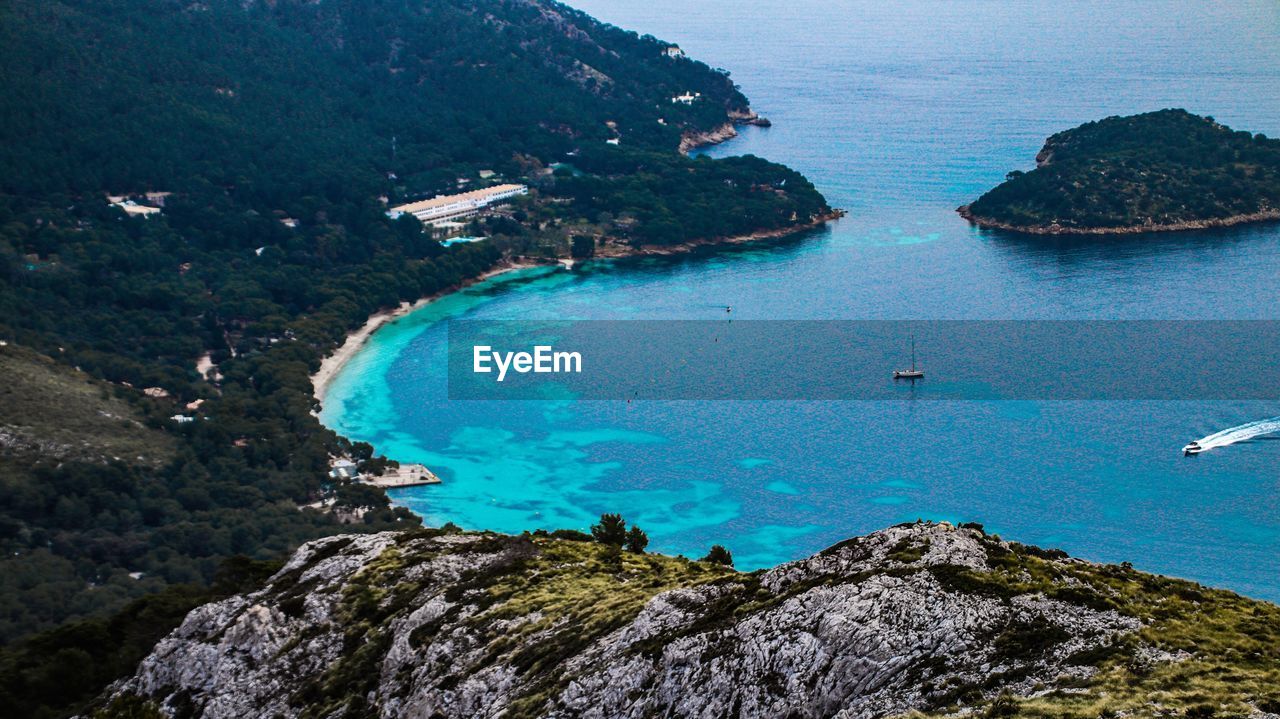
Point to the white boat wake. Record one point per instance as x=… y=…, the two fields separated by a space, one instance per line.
x=1248 y=430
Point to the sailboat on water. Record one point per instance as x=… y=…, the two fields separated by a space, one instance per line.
x=912 y=373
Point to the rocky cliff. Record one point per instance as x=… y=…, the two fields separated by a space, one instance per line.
x=692 y=139
x=916 y=618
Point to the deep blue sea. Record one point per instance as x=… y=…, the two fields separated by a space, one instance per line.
x=898 y=112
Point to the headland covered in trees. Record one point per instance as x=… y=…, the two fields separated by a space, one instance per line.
x=269 y=140
x=1158 y=171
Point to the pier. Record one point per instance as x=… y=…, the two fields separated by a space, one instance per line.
x=406 y=475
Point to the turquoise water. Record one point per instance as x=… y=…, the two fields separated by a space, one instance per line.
x=460 y=240
x=899 y=114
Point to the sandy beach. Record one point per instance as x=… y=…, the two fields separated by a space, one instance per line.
x=331 y=365
x=334 y=363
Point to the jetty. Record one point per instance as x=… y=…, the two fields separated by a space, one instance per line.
x=406 y=475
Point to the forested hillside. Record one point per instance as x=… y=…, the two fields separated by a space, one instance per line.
x=1165 y=170
x=278 y=133
x=296 y=98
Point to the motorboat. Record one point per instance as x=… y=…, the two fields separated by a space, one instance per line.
x=1192 y=448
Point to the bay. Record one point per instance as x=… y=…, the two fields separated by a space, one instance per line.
x=899 y=112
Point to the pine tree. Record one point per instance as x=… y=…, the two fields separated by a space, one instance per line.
x=637 y=540
x=719 y=555
x=611 y=530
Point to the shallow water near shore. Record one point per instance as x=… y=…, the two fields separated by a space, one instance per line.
x=898 y=115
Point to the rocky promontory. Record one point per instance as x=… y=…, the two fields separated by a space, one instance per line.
x=927 y=618
x=724 y=132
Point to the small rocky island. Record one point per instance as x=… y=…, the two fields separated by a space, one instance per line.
x=1165 y=170
x=923 y=619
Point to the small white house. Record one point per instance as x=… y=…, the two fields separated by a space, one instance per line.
x=343 y=469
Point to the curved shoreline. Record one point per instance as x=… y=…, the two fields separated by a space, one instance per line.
x=1056 y=229
x=333 y=363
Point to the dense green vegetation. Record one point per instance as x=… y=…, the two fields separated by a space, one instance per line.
x=292 y=99
x=1159 y=170
x=663 y=198
x=250 y=114
x=628 y=198
x=1201 y=653
x=298 y=109
x=135 y=302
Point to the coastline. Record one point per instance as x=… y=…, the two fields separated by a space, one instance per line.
x=724 y=132
x=1056 y=229
x=333 y=363
x=693 y=140
x=616 y=251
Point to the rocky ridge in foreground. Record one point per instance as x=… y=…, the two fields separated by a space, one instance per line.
x=922 y=617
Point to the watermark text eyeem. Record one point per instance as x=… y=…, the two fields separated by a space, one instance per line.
x=543 y=359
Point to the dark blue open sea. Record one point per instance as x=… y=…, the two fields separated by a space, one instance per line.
x=899 y=112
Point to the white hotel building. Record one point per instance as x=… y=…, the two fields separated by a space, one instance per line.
x=442 y=208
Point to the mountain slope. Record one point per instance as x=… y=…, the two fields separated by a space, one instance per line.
x=57 y=426
x=304 y=97
x=923 y=617
x=56 y=412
